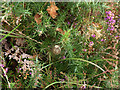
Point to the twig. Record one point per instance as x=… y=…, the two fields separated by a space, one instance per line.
x=27 y=36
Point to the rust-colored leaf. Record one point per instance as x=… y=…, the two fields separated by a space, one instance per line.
x=26 y=76
x=61 y=31
x=109 y=48
x=37 y=18
x=52 y=10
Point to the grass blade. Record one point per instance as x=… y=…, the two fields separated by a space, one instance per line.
x=10 y=32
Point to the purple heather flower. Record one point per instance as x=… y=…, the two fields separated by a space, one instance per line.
x=6 y=70
x=75 y=23
x=116 y=36
x=112 y=28
x=19 y=68
x=85 y=50
x=1 y=65
x=110 y=34
x=69 y=23
x=74 y=26
x=109 y=12
x=3 y=74
x=105 y=18
x=108 y=23
x=108 y=28
x=119 y=15
x=93 y=35
x=50 y=72
x=102 y=40
x=63 y=57
x=91 y=43
x=112 y=17
x=84 y=87
x=65 y=76
x=30 y=73
x=108 y=17
x=113 y=14
x=62 y=80
x=113 y=21
x=106 y=12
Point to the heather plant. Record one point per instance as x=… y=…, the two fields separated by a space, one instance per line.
x=54 y=45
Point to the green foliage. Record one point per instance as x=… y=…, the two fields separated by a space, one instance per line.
x=89 y=52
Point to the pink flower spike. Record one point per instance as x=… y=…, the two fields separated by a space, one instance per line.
x=93 y=35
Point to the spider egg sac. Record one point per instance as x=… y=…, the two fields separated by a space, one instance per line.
x=56 y=49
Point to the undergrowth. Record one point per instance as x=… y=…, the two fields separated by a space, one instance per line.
x=60 y=44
